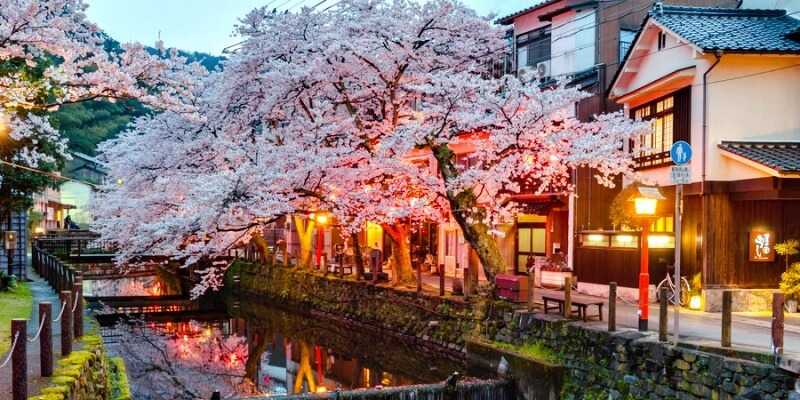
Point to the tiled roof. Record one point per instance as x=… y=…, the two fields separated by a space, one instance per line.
x=736 y=30
x=783 y=157
x=509 y=19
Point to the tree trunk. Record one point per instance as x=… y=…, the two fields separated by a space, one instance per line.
x=359 y=260
x=401 y=255
x=469 y=216
x=266 y=257
x=305 y=231
x=254 y=356
x=304 y=371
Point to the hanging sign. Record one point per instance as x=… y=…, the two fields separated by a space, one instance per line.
x=760 y=245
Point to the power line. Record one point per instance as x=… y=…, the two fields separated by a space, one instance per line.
x=49 y=174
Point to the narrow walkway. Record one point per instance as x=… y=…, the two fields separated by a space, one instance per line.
x=750 y=331
x=42 y=292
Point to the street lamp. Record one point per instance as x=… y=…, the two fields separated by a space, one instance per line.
x=645 y=202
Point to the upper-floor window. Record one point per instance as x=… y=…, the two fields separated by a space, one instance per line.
x=625 y=41
x=669 y=118
x=533 y=47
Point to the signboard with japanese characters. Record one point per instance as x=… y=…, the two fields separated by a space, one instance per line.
x=760 y=245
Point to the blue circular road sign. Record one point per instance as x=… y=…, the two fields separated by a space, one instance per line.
x=681 y=152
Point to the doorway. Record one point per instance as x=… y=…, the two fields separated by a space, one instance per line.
x=531 y=242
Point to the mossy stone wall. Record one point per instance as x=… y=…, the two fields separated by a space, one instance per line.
x=428 y=319
x=635 y=365
x=81 y=375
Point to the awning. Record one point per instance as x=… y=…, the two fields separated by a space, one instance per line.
x=780 y=159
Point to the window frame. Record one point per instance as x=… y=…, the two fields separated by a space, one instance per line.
x=670 y=118
x=535 y=38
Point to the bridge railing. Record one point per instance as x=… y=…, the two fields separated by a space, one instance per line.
x=75 y=245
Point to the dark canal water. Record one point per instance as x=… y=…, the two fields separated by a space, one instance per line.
x=282 y=352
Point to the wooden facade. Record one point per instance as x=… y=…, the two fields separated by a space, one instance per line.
x=717 y=239
x=605 y=265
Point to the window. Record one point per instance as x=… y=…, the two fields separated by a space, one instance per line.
x=662 y=40
x=533 y=47
x=625 y=40
x=669 y=118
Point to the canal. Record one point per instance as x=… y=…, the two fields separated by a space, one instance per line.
x=177 y=348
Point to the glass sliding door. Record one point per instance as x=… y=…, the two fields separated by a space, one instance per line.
x=531 y=239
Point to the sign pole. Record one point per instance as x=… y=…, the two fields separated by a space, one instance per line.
x=680 y=173
x=678 y=216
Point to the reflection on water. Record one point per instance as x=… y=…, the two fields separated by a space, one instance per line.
x=286 y=353
x=313 y=354
x=139 y=286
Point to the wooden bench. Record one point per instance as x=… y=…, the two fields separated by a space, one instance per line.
x=580 y=303
x=339 y=269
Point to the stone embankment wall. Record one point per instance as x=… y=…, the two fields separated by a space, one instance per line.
x=598 y=364
x=425 y=319
x=81 y=375
x=632 y=364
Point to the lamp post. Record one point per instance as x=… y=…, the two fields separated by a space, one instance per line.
x=646 y=203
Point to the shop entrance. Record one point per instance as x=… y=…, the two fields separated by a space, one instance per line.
x=531 y=241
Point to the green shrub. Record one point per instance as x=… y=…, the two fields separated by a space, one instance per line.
x=790 y=281
x=8 y=283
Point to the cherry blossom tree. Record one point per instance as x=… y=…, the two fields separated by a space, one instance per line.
x=360 y=110
x=51 y=55
x=369 y=85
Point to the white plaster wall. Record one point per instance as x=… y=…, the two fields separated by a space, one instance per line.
x=573 y=42
x=753 y=98
x=675 y=56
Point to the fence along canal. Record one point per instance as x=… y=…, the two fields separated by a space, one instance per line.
x=342 y=358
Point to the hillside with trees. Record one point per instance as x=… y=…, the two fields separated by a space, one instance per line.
x=86 y=124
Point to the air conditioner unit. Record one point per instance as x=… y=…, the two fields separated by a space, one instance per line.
x=526 y=73
x=543 y=69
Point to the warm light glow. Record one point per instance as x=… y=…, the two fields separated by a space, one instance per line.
x=321 y=218
x=624 y=238
x=657 y=241
x=321 y=389
x=119 y=181
x=695 y=302
x=645 y=206
x=39 y=229
x=596 y=238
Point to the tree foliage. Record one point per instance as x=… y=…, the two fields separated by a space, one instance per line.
x=371 y=110
x=51 y=55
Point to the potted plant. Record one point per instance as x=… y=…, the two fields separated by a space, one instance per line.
x=790 y=286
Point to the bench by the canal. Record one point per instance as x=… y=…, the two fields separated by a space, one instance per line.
x=340 y=269
x=581 y=303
